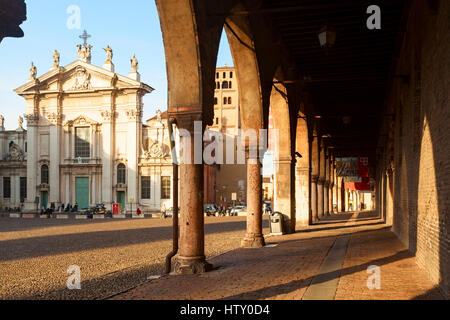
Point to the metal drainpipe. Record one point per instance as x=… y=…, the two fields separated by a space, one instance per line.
x=174 y=251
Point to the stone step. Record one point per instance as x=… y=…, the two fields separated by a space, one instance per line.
x=62 y=216
x=119 y=216
x=14 y=215
x=98 y=216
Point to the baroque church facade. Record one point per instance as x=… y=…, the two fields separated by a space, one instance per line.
x=86 y=142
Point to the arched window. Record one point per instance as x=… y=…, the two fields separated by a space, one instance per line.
x=215 y=100
x=231 y=74
x=229 y=100
x=217 y=75
x=229 y=85
x=225 y=100
x=44 y=174
x=224 y=75
x=121 y=172
x=225 y=85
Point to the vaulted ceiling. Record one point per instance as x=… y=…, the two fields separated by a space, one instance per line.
x=347 y=82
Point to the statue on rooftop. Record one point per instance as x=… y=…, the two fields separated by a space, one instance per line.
x=134 y=64
x=109 y=53
x=55 y=59
x=33 y=72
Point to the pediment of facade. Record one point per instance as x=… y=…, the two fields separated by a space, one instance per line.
x=80 y=121
x=79 y=77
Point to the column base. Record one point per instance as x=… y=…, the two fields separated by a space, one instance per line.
x=192 y=265
x=253 y=241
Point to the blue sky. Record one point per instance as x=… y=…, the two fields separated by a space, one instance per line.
x=130 y=27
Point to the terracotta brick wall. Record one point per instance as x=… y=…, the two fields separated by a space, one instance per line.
x=421 y=141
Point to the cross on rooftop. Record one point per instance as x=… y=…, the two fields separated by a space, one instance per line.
x=85 y=36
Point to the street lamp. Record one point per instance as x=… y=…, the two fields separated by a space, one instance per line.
x=327 y=37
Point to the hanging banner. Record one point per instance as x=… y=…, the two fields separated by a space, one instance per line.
x=363 y=167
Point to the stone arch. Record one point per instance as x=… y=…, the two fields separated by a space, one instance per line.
x=191 y=36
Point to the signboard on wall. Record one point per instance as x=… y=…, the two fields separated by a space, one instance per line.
x=347 y=167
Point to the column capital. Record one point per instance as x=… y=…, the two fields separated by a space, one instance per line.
x=108 y=116
x=32 y=119
x=186 y=120
x=134 y=115
x=321 y=180
x=314 y=178
x=55 y=118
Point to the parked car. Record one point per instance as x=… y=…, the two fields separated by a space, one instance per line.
x=238 y=209
x=210 y=209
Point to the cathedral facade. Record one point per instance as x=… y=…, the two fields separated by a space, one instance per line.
x=86 y=143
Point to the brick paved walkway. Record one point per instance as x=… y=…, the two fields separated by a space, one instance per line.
x=286 y=267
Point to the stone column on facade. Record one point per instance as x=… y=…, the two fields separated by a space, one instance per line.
x=55 y=157
x=134 y=120
x=107 y=158
x=32 y=133
x=191 y=257
x=282 y=192
x=254 y=237
x=15 y=188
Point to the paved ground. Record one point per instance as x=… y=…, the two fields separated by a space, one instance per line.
x=114 y=255
x=287 y=267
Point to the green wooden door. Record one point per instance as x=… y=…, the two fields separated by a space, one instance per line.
x=44 y=199
x=121 y=199
x=82 y=192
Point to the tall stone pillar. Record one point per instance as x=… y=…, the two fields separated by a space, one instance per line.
x=282 y=193
x=339 y=195
x=315 y=171
x=55 y=158
x=346 y=199
x=32 y=139
x=254 y=237
x=191 y=257
x=302 y=202
x=321 y=182
x=320 y=197
x=314 y=198
x=326 y=198
x=107 y=158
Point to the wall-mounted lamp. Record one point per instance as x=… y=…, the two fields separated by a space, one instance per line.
x=327 y=36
